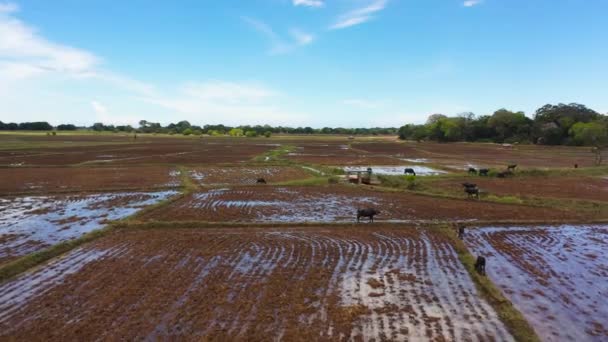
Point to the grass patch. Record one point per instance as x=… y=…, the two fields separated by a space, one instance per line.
x=515 y=322
x=275 y=155
x=186 y=181
x=26 y=262
x=313 y=181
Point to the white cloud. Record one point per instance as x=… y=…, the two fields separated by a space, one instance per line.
x=98 y=108
x=277 y=44
x=471 y=3
x=309 y=3
x=359 y=15
x=301 y=37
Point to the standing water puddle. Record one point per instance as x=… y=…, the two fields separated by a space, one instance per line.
x=30 y=223
x=395 y=170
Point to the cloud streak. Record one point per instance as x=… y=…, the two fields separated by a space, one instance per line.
x=471 y=3
x=309 y=3
x=359 y=15
x=279 y=45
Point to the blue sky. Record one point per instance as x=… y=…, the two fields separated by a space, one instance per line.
x=313 y=63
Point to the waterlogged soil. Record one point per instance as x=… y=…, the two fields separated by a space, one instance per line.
x=395 y=170
x=28 y=224
x=335 y=204
x=246 y=175
x=484 y=155
x=337 y=153
x=582 y=188
x=556 y=276
x=54 y=179
x=252 y=284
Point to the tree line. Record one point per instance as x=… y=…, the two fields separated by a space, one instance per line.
x=561 y=124
x=185 y=128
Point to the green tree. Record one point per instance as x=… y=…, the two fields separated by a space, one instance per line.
x=187 y=131
x=589 y=134
x=251 y=134
x=235 y=132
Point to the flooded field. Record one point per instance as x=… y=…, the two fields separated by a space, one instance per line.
x=28 y=224
x=556 y=276
x=227 y=284
x=395 y=170
x=246 y=175
x=332 y=204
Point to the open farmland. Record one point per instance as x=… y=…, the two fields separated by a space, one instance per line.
x=70 y=179
x=326 y=204
x=193 y=248
x=556 y=276
x=228 y=284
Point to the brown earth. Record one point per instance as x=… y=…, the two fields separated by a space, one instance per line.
x=252 y=284
x=484 y=155
x=335 y=204
x=337 y=153
x=53 y=179
x=583 y=188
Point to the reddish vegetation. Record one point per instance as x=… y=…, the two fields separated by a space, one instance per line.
x=555 y=276
x=246 y=175
x=585 y=188
x=142 y=151
x=337 y=203
x=250 y=284
x=485 y=154
x=48 y=179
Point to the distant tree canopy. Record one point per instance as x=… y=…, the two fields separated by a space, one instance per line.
x=26 y=126
x=562 y=124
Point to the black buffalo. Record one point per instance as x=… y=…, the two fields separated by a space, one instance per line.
x=472 y=192
x=409 y=171
x=480 y=265
x=369 y=212
x=483 y=172
x=261 y=181
x=473 y=170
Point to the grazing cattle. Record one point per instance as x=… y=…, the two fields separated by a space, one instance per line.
x=511 y=167
x=469 y=185
x=576 y=166
x=504 y=174
x=369 y=212
x=483 y=172
x=261 y=181
x=409 y=171
x=460 y=231
x=472 y=170
x=472 y=192
x=480 y=265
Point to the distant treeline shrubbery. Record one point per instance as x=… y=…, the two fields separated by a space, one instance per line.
x=185 y=128
x=562 y=124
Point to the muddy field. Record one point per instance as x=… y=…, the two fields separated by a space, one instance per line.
x=62 y=179
x=568 y=187
x=335 y=204
x=152 y=151
x=246 y=175
x=252 y=285
x=28 y=224
x=336 y=153
x=459 y=155
x=556 y=276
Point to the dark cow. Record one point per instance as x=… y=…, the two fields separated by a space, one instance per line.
x=483 y=172
x=261 y=181
x=460 y=231
x=409 y=171
x=511 y=167
x=576 y=166
x=472 y=192
x=480 y=265
x=469 y=185
x=369 y=212
x=472 y=170
x=504 y=174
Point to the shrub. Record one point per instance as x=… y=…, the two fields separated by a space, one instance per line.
x=251 y=134
x=187 y=131
x=267 y=134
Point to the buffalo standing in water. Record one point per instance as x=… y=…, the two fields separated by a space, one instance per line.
x=369 y=212
x=261 y=181
x=409 y=171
